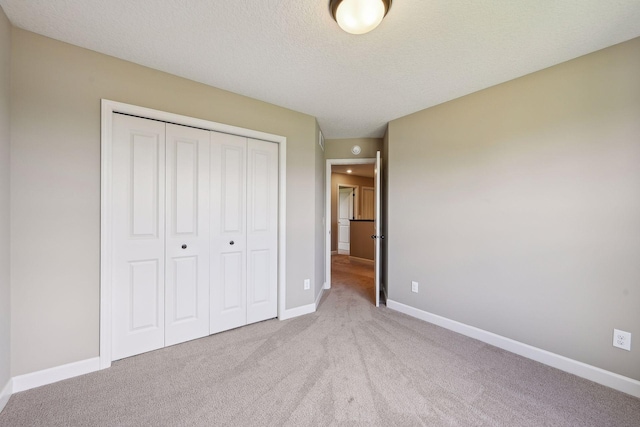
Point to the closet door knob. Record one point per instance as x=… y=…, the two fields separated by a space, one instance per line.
x=184 y=246
x=231 y=242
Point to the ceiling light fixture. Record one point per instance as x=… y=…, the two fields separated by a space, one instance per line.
x=359 y=16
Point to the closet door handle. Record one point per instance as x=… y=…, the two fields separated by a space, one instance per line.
x=184 y=246
x=231 y=242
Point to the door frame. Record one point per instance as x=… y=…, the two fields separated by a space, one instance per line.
x=108 y=108
x=327 y=222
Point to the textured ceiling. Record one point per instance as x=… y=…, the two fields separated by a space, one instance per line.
x=291 y=53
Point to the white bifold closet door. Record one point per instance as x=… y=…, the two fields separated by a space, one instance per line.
x=244 y=223
x=187 y=234
x=160 y=234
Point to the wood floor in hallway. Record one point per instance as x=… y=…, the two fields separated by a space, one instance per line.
x=354 y=273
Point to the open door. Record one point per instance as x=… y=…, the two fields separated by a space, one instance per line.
x=377 y=221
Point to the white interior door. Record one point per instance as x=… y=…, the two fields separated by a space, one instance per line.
x=228 y=232
x=262 y=230
x=187 y=234
x=345 y=214
x=137 y=233
x=377 y=221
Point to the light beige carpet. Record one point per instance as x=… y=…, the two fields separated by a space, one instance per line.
x=347 y=364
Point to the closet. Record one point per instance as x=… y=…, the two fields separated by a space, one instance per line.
x=193 y=233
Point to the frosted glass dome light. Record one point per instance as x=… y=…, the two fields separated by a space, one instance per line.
x=359 y=16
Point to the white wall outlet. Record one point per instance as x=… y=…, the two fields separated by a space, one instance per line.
x=307 y=284
x=414 y=287
x=622 y=339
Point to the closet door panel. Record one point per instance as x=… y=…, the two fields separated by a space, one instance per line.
x=262 y=230
x=144 y=295
x=259 y=278
x=228 y=232
x=187 y=231
x=137 y=233
x=184 y=298
x=232 y=297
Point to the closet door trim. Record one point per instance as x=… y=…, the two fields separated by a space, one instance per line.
x=108 y=108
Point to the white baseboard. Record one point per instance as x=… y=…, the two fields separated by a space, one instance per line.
x=343 y=252
x=334 y=252
x=327 y=285
x=363 y=260
x=592 y=373
x=298 y=311
x=52 y=375
x=319 y=297
x=5 y=394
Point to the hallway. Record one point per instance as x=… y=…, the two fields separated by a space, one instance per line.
x=354 y=274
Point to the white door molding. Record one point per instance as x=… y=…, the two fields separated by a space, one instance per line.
x=327 y=189
x=108 y=108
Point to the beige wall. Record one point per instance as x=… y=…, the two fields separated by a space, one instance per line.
x=55 y=186
x=341 y=178
x=528 y=199
x=341 y=148
x=5 y=296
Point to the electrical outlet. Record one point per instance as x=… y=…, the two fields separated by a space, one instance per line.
x=307 y=284
x=414 y=287
x=622 y=339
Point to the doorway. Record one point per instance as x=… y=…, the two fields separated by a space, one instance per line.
x=350 y=210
